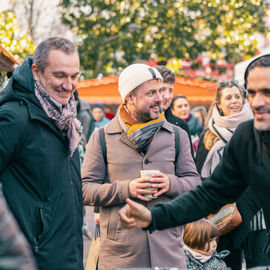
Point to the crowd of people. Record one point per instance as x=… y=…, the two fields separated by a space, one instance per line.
x=61 y=153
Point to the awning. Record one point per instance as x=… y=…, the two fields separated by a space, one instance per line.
x=7 y=60
x=105 y=90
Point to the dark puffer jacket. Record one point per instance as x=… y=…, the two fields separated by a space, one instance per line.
x=41 y=183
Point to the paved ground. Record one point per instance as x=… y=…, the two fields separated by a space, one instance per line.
x=89 y=220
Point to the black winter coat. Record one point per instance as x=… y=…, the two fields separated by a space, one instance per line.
x=171 y=118
x=245 y=163
x=41 y=183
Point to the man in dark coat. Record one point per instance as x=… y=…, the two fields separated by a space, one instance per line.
x=245 y=163
x=39 y=160
x=166 y=92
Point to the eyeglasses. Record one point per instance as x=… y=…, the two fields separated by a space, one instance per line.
x=230 y=83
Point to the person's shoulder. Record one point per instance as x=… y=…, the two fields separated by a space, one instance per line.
x=15 y=114
x=248 y=125
x=244 y=130
x=16 y=108
x=84 y=105
x=181 y=131
x=192 y=263
x=176 y=120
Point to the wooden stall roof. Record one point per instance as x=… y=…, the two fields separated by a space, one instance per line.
x=7 y=60
x=105 y=90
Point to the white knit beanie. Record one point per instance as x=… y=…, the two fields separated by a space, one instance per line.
x=134 y=75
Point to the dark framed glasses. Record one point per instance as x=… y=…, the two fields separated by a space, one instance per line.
x=230 y=83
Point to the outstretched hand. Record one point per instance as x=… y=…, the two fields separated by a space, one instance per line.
x=135 y=215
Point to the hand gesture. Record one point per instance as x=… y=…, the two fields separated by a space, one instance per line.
x=135 y=215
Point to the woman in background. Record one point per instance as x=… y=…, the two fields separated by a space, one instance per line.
x=180 y=107
x=201 y=113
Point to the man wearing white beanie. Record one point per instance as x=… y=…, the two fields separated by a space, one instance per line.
x=138 y=138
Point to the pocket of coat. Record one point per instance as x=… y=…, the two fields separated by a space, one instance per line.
x=112 y=225
x=40 y=226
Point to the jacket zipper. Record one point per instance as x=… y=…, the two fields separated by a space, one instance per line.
x=75 y=214
x=36 y=246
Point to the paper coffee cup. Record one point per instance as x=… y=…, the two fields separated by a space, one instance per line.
x=149 y=174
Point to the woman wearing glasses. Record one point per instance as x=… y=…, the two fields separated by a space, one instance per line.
x=226 y=113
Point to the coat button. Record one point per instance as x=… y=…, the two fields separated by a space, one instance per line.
x=147 y=161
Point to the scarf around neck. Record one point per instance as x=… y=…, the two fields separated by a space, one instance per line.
x=63 y=117
x=223 y=127
x=139 y=134
x=198 y=256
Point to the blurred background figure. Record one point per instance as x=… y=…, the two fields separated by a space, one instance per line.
x=15 y=252
x=228 y=110
x=100 y=121
x=85 y=116
x=201 y=113
x=166 y=92
x=99 y=115
x=108 y=112
x=181 y=108
x=201 y=238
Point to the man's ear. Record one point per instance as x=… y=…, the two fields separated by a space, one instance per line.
x=129 y=99
x=35 y=72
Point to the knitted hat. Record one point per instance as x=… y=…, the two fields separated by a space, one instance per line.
x=134 y=75
x=255 y=58
x=97 y=105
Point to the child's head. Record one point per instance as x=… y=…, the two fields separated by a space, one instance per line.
x=202 y=236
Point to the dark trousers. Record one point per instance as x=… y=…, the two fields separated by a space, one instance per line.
x=234 y=259
x=253 y=249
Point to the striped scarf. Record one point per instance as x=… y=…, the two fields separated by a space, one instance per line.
x=63 y=117
x=139 y=134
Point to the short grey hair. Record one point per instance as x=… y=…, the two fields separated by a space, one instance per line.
x=41 y=54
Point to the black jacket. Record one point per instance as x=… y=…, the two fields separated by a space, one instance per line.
x=248 y=204
x=41 y=183
x=245 y=163
x=171 y=118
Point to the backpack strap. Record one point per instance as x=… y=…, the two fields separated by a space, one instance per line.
x=102 y=142
x=176 y=143
x=91 y=125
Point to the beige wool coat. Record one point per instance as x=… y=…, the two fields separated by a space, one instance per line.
x=120 y=247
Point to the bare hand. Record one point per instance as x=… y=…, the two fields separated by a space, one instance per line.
x=160 y=181
x=137 y=188
x=135 y=215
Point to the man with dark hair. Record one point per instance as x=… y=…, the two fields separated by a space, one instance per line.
x=166 y=92
x=39 y=160
x=245 y=164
